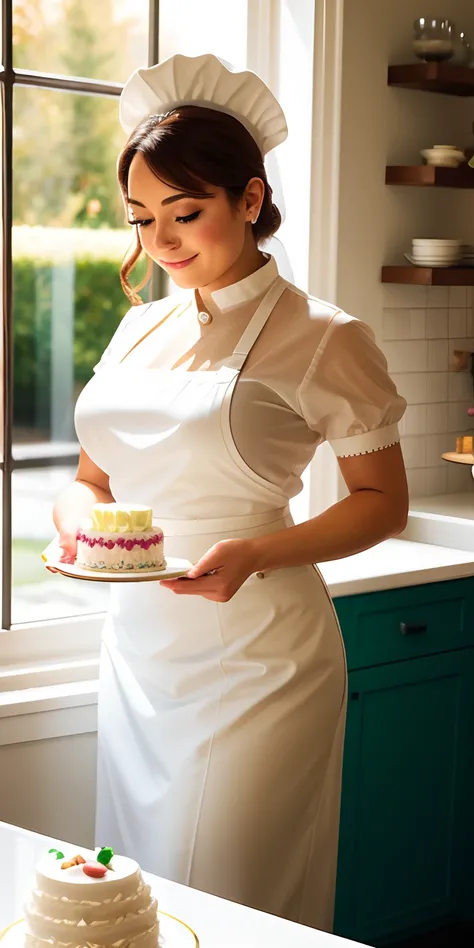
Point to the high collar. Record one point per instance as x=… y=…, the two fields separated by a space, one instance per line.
x=247 y=289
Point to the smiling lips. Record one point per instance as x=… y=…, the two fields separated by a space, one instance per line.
x=179 y=264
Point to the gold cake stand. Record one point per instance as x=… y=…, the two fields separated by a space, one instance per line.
x=458 y=458
x=174 y=933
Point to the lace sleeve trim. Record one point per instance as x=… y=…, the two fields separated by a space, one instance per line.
x=366 y=443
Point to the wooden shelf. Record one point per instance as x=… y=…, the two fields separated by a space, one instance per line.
x=430 y=176
x=429 y=276
x=458 y=458
x=433 y=77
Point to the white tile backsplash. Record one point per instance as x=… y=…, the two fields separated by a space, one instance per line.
x=407 y=356
x=459 y=421
x=418 y=324
x=457 y=323
x=459 y=477
x=457 y=296
x=396 y=324
x=436 y=296
x=406 y=297
x=436 y=418
x=414 y=421
x=437 y=386
x=414 y=451
x=413 y=386
x=416 y=478
x=438 y=355
x=435 y=447
x=421 y=328
x=436 y=479
x=437 y=323
x=459 y=386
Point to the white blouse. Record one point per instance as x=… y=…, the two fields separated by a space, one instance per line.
x=315 y=374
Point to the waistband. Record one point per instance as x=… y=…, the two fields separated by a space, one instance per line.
x=176 y=528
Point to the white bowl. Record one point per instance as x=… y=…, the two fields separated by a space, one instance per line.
x=433 y=242
x=450 y=255
x=443 y=157
x=440 y=254
x=429 y=262
x=440 y=261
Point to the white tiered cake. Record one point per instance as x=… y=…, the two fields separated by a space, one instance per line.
x=83 y=901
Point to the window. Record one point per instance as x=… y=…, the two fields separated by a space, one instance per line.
x=64 y=234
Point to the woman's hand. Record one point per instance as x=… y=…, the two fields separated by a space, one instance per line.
x=219 y=573
x=65 y=546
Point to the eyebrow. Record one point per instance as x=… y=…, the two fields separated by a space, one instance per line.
x=174 y=197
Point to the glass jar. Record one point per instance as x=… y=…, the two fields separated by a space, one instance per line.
x=434 y=39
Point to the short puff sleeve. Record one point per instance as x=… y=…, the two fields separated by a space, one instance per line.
x=347 y=395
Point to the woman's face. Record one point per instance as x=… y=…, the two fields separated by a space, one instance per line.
x=195 y=239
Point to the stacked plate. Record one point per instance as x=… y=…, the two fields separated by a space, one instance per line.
x=467 y=251
x=434 y=253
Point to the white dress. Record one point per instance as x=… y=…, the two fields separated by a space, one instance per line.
x=221 y=725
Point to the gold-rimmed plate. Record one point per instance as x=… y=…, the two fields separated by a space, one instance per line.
x=174 y=933
x=175 y=568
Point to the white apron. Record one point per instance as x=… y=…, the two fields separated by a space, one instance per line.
x=220 y=724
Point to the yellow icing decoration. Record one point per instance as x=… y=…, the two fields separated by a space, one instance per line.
x=121 y=518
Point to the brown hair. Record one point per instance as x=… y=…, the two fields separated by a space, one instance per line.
x=187 y=149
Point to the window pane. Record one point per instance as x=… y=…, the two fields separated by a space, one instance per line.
x=195 y=28
x=93 y=39
x=37 y=593
x=69 y=239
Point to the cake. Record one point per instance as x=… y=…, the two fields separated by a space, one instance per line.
x=90 y=899
x=120 y=538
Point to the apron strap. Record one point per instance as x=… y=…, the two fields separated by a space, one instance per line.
x=256 y=324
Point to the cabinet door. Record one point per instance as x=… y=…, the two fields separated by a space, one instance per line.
x=406 y=852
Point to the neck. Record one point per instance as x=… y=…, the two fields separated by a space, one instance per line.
x=250 y=260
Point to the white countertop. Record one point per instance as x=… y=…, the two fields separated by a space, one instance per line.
x=393 y=564
x=218 y=924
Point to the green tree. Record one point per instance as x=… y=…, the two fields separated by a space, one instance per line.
x=93 y=130
x=66 y=144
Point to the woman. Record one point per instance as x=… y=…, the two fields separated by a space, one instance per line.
x=222 y=699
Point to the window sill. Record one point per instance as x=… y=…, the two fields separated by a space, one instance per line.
x=49 y=711
x=55 y=694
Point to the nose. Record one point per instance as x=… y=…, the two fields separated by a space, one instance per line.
x=165 y=238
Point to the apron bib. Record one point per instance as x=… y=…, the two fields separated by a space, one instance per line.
x=220 y=724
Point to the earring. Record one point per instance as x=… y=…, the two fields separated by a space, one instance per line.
x=254 y=220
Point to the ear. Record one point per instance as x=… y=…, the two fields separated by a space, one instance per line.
x=253 y=197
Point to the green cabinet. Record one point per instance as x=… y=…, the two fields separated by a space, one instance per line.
x=406 y=851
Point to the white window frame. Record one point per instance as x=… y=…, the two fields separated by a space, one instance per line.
x=46 y=660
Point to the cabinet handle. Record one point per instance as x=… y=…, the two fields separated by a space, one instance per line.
x=413 y=628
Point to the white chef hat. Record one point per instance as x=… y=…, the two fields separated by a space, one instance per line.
x=208 y=82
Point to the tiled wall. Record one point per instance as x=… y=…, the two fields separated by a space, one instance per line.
x=421 y=328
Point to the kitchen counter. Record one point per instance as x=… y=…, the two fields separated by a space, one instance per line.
x=396 y=563
x=217 y=923
x=442 y=520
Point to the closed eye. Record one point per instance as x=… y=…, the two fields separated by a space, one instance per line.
x=141 y=223
x=188 y=218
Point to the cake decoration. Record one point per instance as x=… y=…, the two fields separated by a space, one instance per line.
x=59 y=855
x=120 y=538
x=105 y=855
x=96 y=870
x=75 y=861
